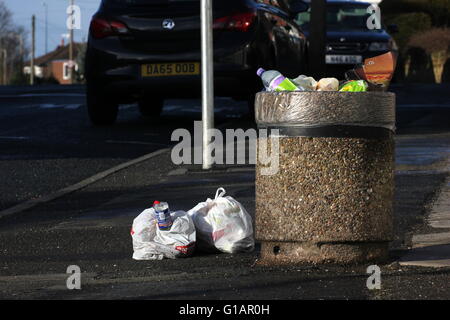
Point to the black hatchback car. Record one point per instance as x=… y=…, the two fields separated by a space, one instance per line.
x=148 y=50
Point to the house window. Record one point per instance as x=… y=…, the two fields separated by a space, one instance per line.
x=66 y=71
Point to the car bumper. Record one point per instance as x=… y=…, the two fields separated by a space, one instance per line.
x=236 y=85
x=120 y=74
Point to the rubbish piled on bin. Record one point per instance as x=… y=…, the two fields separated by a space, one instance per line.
x=354 y=86
x=275 y=81
x=328 y=84
x=155 y=238
x=377 y=71
x=374 y=75
x=221 y=224
x=307 y=83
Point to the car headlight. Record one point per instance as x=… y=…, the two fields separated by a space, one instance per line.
x=380 y=46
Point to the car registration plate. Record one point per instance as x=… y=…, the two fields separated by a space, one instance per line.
x=343 y=59
x=170 y=69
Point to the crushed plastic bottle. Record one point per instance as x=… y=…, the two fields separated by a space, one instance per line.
x=275 y=81
x=162 y=214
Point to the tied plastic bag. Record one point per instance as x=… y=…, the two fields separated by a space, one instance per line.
x=151 y=243
x=223 y=224
x=307 y=83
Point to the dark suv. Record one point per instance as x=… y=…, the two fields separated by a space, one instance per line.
x=349 y=40
x=149 y=50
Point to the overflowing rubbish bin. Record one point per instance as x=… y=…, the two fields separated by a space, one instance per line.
x=331 y=200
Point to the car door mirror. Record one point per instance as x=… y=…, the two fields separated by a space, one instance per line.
x=392 y=28
x=297 y=6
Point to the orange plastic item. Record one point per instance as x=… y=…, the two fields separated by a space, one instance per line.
x=378 y=70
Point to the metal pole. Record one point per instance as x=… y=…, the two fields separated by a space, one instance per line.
x=3 y=58
x=5 y=66
x=46 y=27
x=71 y=45
x=21 y=48
x=207 y=67
x=33 y=40
x=318 y=38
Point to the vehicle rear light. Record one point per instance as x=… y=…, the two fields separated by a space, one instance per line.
x=237 y=22
x=101 y=28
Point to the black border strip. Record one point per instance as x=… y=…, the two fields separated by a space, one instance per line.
x=338 y=131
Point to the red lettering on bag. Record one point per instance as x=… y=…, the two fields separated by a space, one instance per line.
x=186 y=249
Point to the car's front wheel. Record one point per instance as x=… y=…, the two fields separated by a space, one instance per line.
x=101 y=108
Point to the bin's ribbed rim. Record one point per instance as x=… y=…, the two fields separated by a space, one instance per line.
x=325 y=108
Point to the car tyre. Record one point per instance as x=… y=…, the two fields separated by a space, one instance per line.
x=101 y=108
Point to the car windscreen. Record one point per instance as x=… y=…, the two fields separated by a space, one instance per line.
x=340 y=17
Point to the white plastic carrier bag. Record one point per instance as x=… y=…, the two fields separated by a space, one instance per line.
x=223 y=224
x=151 y=243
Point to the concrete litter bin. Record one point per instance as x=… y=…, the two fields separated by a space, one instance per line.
x=332 y=198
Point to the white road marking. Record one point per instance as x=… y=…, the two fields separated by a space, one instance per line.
x=72 y=106
x=49 y=106
x=135 y=142
x=65 y=106
x=80 y=185
x=15 y=138
x=26 y=205
x=49 y=95
x=127 y=106
x=52 y=106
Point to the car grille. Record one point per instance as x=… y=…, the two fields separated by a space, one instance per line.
x=347 y=47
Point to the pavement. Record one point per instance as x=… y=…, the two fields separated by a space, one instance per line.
x=432 y=249
x=90 y=227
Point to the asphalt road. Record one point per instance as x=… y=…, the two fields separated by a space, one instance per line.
x=47 y=143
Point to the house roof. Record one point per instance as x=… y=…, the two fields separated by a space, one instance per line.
x=60 y=53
